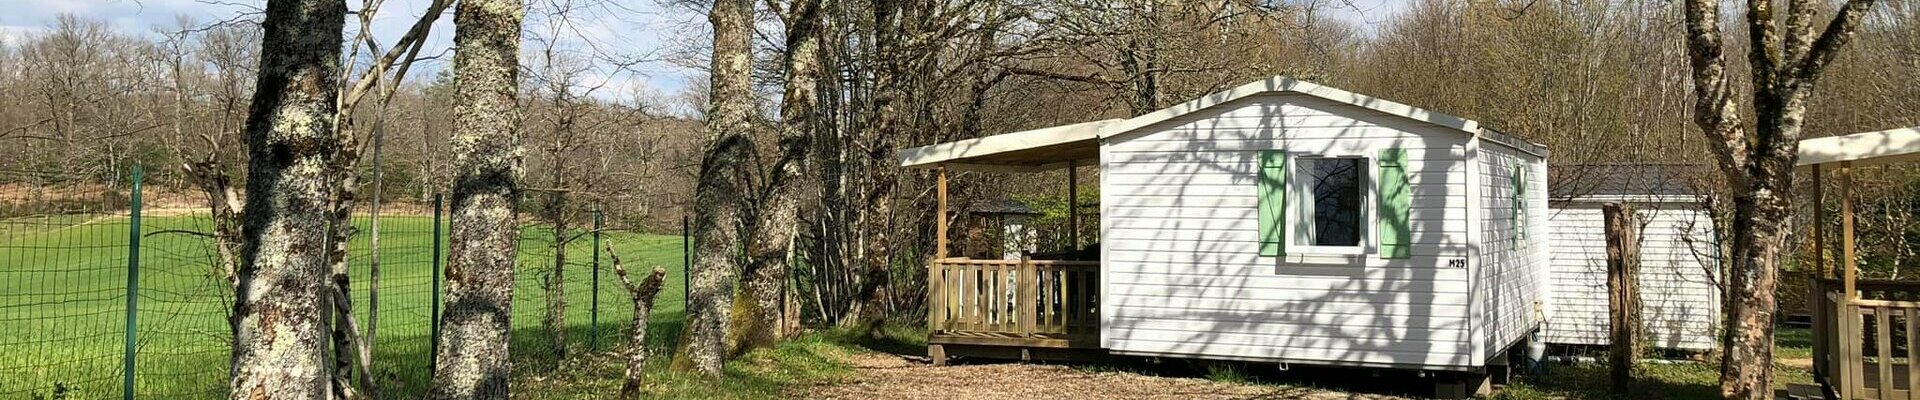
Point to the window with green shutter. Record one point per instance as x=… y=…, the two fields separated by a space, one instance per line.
x=1396 y=200
x=1273 y=202
x=1519 y=204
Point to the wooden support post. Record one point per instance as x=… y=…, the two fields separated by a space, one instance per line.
x=1073 y=205
x=1817 y=300
x=938 y=353
x=1847 y=261
x=1029 y=295
x=1623 y=292
x=940 y=219
x=1820 y=270
x=937 y=307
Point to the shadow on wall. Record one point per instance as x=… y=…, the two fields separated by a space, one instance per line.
x=1184 y=275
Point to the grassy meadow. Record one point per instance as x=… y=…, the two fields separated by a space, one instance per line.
x=63 y=285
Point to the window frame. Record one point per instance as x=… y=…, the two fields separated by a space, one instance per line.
x=1299 y=178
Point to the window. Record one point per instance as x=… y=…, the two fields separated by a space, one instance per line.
x=1329 y=202
x=1519 y=177
x=1325 y=204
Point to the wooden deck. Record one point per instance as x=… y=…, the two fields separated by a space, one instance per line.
x=1023 y=304
x=1863 y=347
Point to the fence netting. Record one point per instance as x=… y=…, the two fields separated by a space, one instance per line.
x=67 y=271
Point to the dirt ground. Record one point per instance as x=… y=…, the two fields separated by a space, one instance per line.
x=888 y=376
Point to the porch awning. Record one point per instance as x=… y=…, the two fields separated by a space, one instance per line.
x=1037 y=149
x=1862 y=149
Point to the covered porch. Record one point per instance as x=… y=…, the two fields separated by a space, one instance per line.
x=1028 y=304
x=1865 y=331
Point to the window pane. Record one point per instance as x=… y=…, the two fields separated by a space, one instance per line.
x=1337 y=186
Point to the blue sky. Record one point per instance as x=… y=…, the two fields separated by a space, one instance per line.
x=626 y=29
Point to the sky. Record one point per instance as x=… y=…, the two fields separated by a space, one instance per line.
x=632 y=31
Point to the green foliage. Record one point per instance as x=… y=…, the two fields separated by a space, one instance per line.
x=1052 y=220
x=1225 y=372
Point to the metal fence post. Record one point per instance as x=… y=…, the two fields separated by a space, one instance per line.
x=433 y=353
x=133 y=287
x=593 y=331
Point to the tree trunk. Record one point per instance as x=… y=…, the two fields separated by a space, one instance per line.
x=1623 y=294
x=717 y=205
x=1758 y=162
x=643 y=295
x=888 y=83
x=556 y=319
x=473 y=362
x=280 y=331
x=759 y=322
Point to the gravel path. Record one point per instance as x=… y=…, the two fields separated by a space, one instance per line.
x=887 y=376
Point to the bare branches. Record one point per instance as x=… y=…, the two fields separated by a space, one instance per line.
x=1714 y=109
x=1808 y=69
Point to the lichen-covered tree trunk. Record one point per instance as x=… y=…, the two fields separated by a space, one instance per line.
x=888 y=86
x=717 y=197
x=1758 y=160
x=643 y=295
x=473 y=358
x=760 y=305
x=279 y=328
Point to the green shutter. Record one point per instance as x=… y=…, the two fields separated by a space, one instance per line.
x=1396 y=199
x=1273 y=202
x=1519 y=203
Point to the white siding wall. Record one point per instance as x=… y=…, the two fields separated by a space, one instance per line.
x=1181 y=270
x=1511 y=269
x=1679 y=304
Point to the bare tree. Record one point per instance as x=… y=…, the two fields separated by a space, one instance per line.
x=642 y=294
x=279 y=347
x=473 y=358
x=717 y=204
x=1758 y=161
x=762 y=299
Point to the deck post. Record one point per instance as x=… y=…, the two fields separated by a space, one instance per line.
x=1819 y=224
x=1847 y=261
x=937 y=293
x=1817 y=300
x=1073 y=205
x=940 y=219
x=1025 y=303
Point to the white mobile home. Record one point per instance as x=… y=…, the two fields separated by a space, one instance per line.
x=1679 y=267
x=1279 y=221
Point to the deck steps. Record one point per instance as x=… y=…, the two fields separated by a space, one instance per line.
x=1799 y=391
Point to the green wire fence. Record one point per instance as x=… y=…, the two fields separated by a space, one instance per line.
x=104 y=300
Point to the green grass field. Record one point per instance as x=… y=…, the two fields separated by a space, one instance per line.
x=63 y=285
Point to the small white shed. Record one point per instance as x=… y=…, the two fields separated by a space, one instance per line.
x=1278 y=221
x=1679 y=267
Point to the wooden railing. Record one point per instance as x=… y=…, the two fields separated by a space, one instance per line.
x=1018 y=297
x=1865 y=346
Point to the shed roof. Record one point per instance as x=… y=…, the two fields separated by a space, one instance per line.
x=1860 y=149
x=1048 y=147
x=1625 y=181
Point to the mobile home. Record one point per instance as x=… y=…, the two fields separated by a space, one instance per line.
x=1278 y=221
